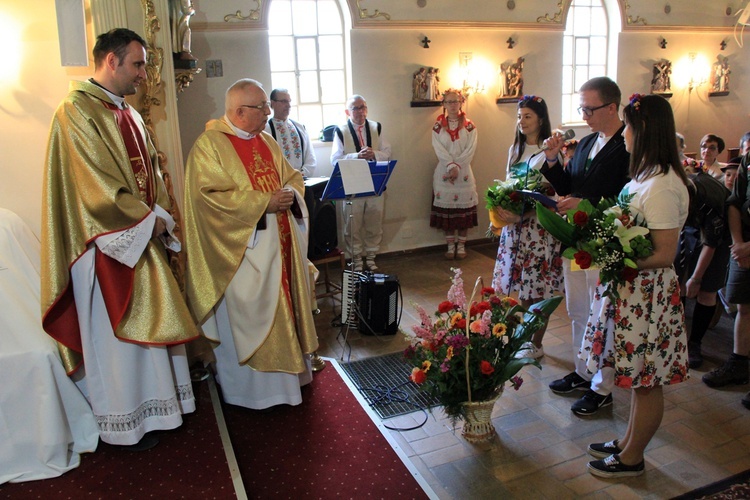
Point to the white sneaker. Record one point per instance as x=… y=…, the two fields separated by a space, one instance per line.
x=529 y=350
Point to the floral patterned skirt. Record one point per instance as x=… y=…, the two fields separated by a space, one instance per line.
x=529 y=261
x=642 y=334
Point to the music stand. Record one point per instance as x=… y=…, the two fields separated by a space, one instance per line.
x=380 y=171
x=353 y=183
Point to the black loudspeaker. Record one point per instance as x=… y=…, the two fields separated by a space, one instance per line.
x=323 y=226
x=378 y=304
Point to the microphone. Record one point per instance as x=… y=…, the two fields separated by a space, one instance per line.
x=568 y=135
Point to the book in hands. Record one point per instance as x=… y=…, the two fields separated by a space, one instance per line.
x=541 y=198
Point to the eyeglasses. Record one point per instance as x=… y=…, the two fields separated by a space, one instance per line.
x=285 y=101
x=452 y=102
x=358 y=108
x=590 y=111
x=710 y=148
x=261 y=106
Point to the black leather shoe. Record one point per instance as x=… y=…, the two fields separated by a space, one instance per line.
x=148 y=441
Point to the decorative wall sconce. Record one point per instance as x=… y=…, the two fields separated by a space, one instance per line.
x=663 y=43
x=426 y=42
x=471 y=85
x=697 y=77
x=510 y=42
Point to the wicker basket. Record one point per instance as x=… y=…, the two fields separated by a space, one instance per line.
x=478 y=427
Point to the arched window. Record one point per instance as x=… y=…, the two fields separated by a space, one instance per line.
x=589 y=49
x=308 y=57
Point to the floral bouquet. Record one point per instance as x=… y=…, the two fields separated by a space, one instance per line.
x=604 y=236
x=504 y=194
x=467 y=351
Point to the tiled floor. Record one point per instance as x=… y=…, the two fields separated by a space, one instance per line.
x=541 y=447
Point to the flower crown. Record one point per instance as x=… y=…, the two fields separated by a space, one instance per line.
x=531 y=98
x=635 y=101
x=454 y=91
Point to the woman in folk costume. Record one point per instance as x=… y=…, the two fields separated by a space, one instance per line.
x=642 y=333
x=528 y=258
x=454 y=190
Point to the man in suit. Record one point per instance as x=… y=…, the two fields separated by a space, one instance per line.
x=599 y=168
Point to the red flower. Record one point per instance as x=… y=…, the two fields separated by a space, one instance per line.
x=510 y=301
x=624 y=381
x=597 y=348
x=483 y=306
x=629 y=348
x=580 y=218
x=461 y=324
x=486 y=368
x=629 y=274
x=418 y=376
x=583 y=259
x=495 y=300
x=625 y=219
x=445 y=306
x=514 y=196
x=675 y=301
x=488 y=290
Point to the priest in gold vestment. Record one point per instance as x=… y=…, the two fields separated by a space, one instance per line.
x=108 y=295
x=246 y=236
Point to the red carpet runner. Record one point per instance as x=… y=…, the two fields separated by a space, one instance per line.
x=326 y=447
x=188 y=462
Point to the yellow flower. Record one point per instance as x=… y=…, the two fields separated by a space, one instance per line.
x=499 y=330
x=426 y=366
x=449 y=353
x=455 y=318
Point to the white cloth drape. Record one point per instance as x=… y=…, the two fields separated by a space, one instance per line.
x=45 y=422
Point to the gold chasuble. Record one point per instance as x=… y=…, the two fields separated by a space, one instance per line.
x=234 y=246
x=102 y=178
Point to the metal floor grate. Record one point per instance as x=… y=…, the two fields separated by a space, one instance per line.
x=384 y=383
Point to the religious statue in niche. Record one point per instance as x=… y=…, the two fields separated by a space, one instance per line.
x=661 y=79
x=720 y=76
x=180 y=13
x=511 y=81
x=425 y=87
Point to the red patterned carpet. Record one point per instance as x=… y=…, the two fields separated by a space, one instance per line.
x=189 y=462
x=326 y=447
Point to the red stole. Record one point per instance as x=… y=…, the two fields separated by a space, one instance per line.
x=140 y=161
x=261 y=170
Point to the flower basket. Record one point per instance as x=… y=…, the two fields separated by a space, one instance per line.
x=478 y=426
x=466 y=351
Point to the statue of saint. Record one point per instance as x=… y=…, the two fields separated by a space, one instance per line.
x=180 y=13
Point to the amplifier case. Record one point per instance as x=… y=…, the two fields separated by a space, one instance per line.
x=378 y=300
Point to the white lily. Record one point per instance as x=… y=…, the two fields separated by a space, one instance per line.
x=614 y=209
x=625 y=234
